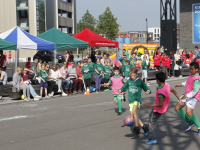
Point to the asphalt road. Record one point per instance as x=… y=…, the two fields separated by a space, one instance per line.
x=82 y=122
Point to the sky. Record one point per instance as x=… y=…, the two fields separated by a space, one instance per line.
x=131 y=14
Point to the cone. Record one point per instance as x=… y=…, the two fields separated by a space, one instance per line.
x=88 y=91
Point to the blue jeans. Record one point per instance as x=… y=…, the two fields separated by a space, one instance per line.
x=185 y=66
x=69 y=84
x=98 y=82
x=32 y=91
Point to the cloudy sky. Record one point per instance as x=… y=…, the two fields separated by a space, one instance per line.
x=131 y=14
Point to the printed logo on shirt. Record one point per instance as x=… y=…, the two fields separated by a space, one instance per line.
x=133 y=89
x=127 y=69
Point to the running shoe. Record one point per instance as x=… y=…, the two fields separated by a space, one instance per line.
x=151 y=142
x=198 y=133
x=189 y=126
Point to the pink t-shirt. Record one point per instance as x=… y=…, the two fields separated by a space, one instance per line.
x=166 y=92
x=117 y=83
x=63 y=72
x=189 y=86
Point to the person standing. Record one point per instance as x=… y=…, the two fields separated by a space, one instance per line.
x=28 y=64
x=98 y=74
x=86 y=71
x=67 y=56
x=177 y=64
x=164 y=60
x=196 y=51
x=104 y=59
x=3 y=61
x=9 y=57
x=71 y=56
x=172 y=64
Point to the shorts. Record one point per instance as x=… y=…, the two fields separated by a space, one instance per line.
x=190 y=102
x=144 y=73
x=43 y=84
x=118 y=97
x=135 y=103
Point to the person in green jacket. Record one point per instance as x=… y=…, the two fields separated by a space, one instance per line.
x=133 y=57
x=144 y=69
x=86 y=71
x=126 y=53
x=98 y=74
x=106 y=70
x=91 y=65
x=123 y=61
x=126 y=70
x=134 y=86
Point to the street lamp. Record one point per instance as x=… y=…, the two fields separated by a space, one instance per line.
x=147 y=30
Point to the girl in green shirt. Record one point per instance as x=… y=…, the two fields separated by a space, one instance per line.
x=106 y=70
x=86 y=71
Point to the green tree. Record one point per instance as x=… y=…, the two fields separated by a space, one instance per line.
x=107 y=24
x=87 y=21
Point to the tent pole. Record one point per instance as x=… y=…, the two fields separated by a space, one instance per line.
x=82 y=54
x=90 y=52
x=88 y=49
x=77 y=51
x=55 y=56
x=117 y=56
x=16 y=59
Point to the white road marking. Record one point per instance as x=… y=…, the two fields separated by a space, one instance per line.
x=12 y=118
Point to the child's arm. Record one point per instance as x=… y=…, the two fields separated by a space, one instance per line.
x=146 y=88
x=180 y=85
x=178 y=97
x=160 y=104
x=124 y=88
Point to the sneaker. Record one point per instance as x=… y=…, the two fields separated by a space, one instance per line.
x=119 y=113
x=59 y=91
x=198 y=133
x=136 y=130
x=46 y=96
x=75 y=92
x=0 y=97
x=36 y=99
x=50 y=95
x=64 y=94
x=189 y=126
x=26 y=99
x=30 y=99
x=80 y=92
x=97 y=91
x=151 y=142
x=180 y=76
x=146 y=130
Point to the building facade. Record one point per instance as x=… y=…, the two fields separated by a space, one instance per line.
x=37 y=16
x=186 y=24
x=62 y=15
x=156 y=33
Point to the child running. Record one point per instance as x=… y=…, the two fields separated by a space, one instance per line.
x=117 y=83
x=161 y=105
x=144 y=69
x=190 y=98
x=134 y=86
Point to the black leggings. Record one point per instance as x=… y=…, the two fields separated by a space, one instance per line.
x=87 y=82
x=51 y=85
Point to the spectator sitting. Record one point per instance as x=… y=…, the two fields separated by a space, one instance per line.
x=187 y=61
x=3 y=77
x=198 y=59
x=28 y=64
x=78 y=70
x=18 y=83
x=3 y=61
x=50 y=81
x=73 y=76
x=65 y=79
x=191 y=55
x=56 y=76
x=26 y=81
x=39 y=65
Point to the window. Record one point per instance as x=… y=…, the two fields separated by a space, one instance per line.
x=155 y=30
x=158 y=31
x=154 y=35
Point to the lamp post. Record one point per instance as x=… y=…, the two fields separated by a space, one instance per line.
x=147 y=30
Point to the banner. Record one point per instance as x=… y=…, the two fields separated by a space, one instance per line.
x=196 y=23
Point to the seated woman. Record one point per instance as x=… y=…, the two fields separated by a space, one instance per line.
x=3 y=77
x=18 y=83
x=73 y=76
x=56 y=76
x=26 y=81
x=65 y=79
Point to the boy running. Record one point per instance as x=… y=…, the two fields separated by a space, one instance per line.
x=126 y=70
x=160 y=106
x=134 y=86
x=190 y=98
x=117 y=83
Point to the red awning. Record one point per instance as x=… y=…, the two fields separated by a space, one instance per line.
x=94 y=39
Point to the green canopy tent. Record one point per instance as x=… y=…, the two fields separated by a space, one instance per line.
x=5 y=45
x=62 y=40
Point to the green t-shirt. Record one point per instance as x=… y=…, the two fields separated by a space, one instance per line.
x=43 y=75
x=98 y=67
x=162 y=50
x=126 y=70
x=91 y=65
x=135 y=89
x=134 y=63
x=86 y=75
x=106 y=69
x=144 y=65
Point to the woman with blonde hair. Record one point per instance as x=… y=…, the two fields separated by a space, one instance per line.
x=56 y=76
x=18 y=83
